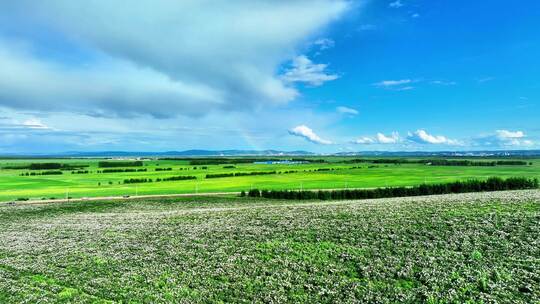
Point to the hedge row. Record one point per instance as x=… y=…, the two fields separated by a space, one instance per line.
x=46 y=166
x=42 y=173
x=121 y=170
x=115 y=164
x=163 y=169
x=149 y=180
x=176 y=178
x=491 y=184
x=137 y=180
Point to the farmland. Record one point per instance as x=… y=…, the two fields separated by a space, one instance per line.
x=474 y=248
x=78 y=178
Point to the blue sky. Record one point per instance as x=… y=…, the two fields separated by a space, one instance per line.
x=323 y=76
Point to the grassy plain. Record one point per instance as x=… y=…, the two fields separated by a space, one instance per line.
x=465 y=248
x=13 y=186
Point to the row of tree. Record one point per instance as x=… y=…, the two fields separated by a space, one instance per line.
x=121 y=170
x=137 y=180
x=175 y=178
x=80 y=172
x=491 y=184
x=42 y=173
x=116 y=164
x=163 y=169
x=46 y=166
x=440 y=162
x=248 y=160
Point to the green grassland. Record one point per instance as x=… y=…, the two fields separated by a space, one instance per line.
x=464 y=248
x=13 y=185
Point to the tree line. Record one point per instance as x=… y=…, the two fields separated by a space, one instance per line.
x=440 y=162
x=121 y=170
x=175 y=178
x=491 y=184
x=80 y=172
x=149 y=180
x=46 y=166
x=42 y=173
x=230 y=161
x=115 y=164
x=137 y=180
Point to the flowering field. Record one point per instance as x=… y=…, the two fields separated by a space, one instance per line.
x=482 y=247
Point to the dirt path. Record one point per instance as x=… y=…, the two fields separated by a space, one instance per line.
x=128 y=197
x=125 y=197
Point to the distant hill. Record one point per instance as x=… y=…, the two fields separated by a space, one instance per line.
x=217 y=153
x=187 y=153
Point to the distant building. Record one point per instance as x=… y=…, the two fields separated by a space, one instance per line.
x=280 y=162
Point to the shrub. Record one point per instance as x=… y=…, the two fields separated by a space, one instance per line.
x=177 y=178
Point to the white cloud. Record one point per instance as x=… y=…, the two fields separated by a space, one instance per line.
x=307 y=133
x=379 y=138
x=505 y=134
x=161 y=58
x=505 y=138
x=34 y=123
x=407 y=88
x=443 y=83
x=422 y=137
x=392 y=83
x=365 y=140
x=415 y=15
x=347 y=110
x=304 y=70
x=324 y=43
x=396 y=4
x=391 y=139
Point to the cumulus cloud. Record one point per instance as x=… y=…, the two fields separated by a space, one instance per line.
x=305 y=71
x=379 y=138
x=347 y=110
x=392 y=139
x=505 y=134
x=161 y=58
x=307 y=133
x=422 y=137
x=505 y=138
x=364 y=140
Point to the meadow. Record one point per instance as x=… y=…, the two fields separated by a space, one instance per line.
x=461 y=248
x=334 y=173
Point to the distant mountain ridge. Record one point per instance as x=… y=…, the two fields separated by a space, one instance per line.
x=187 y=153
x=231 y=153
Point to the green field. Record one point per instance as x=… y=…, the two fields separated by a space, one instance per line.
x=14 y=186
x=465 y=248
